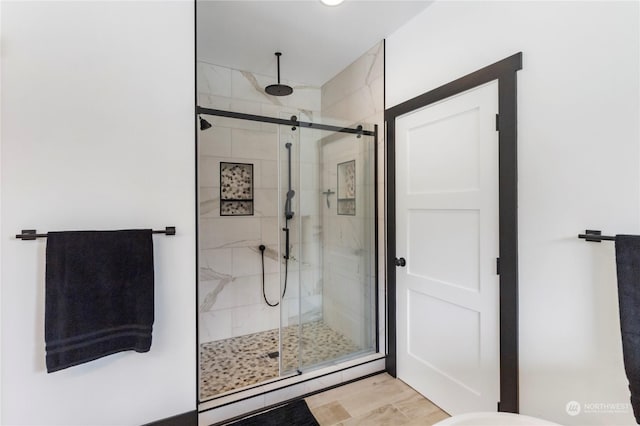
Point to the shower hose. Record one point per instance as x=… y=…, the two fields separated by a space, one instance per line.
x=286 y=272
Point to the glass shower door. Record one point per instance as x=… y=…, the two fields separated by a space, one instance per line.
x=289 y=230
x=327 y=242
x=348 y=246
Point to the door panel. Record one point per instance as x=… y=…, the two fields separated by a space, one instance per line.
x=459 y=341
x=443 y=239
x=449 y=162
x=447 y=229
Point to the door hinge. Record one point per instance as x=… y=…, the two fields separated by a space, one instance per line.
x=497 y=265
x=497 y=122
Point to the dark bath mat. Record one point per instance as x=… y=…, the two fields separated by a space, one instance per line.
x=294 y=414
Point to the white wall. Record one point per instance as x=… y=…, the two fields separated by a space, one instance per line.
x=98 y=133
x=1 y=363
x=579 y=168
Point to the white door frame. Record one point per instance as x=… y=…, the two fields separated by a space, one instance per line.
x=504 y=72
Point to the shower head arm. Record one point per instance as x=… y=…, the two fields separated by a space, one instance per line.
x=278 y=89
x=278 y=54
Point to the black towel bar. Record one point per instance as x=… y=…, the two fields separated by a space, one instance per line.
x=595 y=236
x=30 y=234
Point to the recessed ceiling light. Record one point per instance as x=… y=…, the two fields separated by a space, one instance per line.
x=331 y=2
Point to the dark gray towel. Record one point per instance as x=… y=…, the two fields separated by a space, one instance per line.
x=99 y=295
x=628 y=268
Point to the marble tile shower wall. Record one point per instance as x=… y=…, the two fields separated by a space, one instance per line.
x=355 y=95
x=230 y=294
x=348 y=268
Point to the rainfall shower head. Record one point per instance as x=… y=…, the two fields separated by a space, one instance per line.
x=279 y=89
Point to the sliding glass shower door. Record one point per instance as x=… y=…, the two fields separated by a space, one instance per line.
x=327 y=192
x=286 y=248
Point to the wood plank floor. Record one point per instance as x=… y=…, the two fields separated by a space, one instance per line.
x=377 y=400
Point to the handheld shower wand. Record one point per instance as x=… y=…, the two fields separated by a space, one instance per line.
x=288 y=213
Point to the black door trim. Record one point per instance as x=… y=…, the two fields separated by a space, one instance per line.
x=505 y=72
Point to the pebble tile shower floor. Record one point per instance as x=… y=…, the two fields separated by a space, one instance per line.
x=234 y=363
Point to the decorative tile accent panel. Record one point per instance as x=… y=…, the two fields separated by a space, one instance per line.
x=236 y=189
x=347 y=188
x=347 y=207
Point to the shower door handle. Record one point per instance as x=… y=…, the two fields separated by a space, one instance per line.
x=401 y=262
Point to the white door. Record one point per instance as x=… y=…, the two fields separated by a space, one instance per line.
x=447 y=230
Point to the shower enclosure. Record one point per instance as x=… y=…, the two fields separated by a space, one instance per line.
x=287 y=238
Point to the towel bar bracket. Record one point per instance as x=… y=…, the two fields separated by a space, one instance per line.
x=595 y=236
x=593 y=232
x=169 y=230
x=30 y=234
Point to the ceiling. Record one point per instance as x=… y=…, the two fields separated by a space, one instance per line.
x=316 y=41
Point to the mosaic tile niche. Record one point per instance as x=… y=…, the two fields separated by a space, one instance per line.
x=236 y=189
x=347 y=188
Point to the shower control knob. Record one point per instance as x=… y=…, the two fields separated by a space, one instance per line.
x=401 y=262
